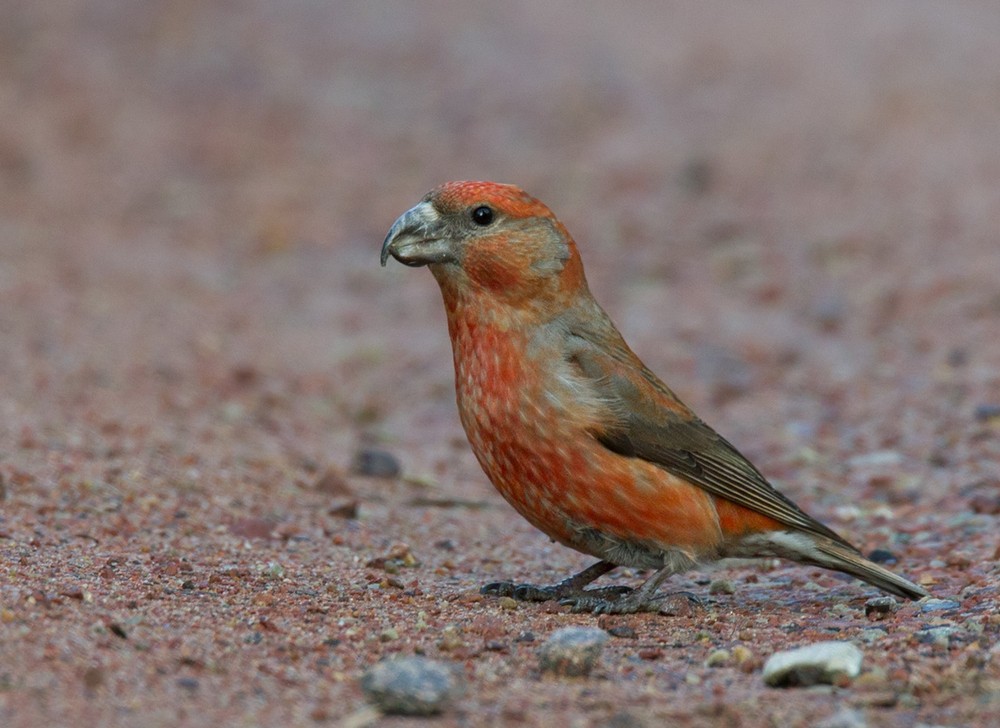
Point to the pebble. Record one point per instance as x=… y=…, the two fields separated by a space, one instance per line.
x=938 y=636
x=389 y=634
x=932 y=604
x=877 y=459
x=722 y=586
x=718 y=658
x=188 y=683
x=872 y=634
x=623 y=631
x=409 y=686
x=741 y=654
x=987 y=412
x=375 y=463
x=883 y=556
x=451 y=638
x=822 y=662
x=572 y=651
x=880 y=607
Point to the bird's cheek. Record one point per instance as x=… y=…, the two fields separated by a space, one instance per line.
x=495 y=266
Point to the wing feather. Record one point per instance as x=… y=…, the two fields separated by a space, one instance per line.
x=646 y=420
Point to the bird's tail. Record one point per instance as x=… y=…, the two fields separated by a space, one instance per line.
x=833 y=555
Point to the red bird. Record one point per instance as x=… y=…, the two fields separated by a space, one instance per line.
x=572 y=428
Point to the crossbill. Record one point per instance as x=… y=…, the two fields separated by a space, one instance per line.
x=571 y=427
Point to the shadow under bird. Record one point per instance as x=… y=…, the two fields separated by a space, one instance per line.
x=571 y=427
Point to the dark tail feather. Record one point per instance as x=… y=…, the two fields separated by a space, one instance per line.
x=835 y=556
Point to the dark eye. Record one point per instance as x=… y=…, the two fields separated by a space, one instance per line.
x=482 y=215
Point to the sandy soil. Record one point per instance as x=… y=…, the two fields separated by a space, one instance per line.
x=791 y=210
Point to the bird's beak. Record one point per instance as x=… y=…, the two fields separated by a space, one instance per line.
x=417 y=238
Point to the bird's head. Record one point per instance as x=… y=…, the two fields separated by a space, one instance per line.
x=490 y=238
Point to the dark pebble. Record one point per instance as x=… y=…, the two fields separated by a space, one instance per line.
x=188 y=683
x=375 y=463
x=987 y=412
x=883 y=556
x=623 y=631
x=880 y=606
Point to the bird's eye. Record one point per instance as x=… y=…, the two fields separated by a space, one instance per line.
x=482 y=215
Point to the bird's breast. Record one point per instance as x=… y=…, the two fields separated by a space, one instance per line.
x=520 y=413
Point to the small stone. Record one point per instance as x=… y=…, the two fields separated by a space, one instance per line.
x=388 y=635
x=344 y=509
x=880 y=607
x=877 y=459
x=823 y=662
x=508 y=603
x=987 y=412
x=188 y=683
x=375 y=463
x=882 y=556
x=409 y=686
x=451 y=638
x=718 y=658
x=623 y=631
x=572 y=651
x=932 y=604
x=93 y=678
x=741 y=654
x=937 y=636
x=872 y=634
x=722 y=586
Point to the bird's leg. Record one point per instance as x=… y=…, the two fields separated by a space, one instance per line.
x=567 y=589
x=643 y=599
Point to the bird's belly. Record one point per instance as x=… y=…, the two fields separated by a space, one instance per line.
x=537 y=450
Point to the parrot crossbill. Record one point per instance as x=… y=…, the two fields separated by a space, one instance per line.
x=571 y=427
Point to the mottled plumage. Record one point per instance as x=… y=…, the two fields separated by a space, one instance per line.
x=570 y=426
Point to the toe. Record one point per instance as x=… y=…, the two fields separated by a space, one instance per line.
x=498 y=589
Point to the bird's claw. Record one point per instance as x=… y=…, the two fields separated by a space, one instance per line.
x=597 y=604
x=632 y=603
x=520 y=592
x=535 y=593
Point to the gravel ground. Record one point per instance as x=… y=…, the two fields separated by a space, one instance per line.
x=791 y=210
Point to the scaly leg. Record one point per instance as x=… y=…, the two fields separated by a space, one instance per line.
x=643 y=599
x=568 y=589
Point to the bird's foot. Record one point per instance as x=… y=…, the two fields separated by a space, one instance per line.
x=631 y=603
x=561 y=591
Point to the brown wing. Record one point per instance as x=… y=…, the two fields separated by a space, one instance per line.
x=646 y=420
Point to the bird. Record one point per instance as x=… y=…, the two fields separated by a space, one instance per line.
x=576 y=433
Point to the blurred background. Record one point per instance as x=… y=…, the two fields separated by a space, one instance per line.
x=191 y=189
x=791 y=209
